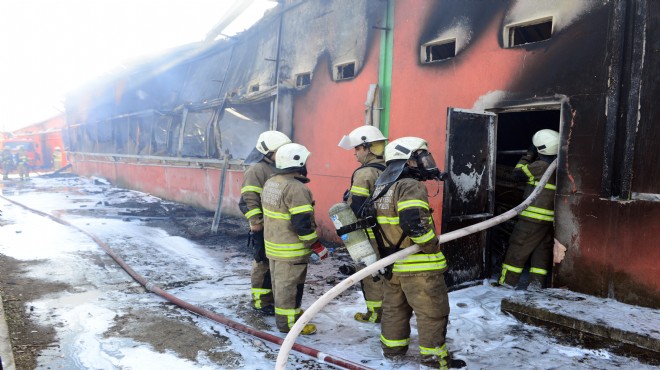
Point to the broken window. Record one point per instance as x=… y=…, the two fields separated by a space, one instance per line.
x=104 y=131
x=527 y=33
x=437 y=51
x=173 y=137
x=161 y=135
x=145 y=127
x=194 y=133
x=120 y=134
x=303 y=79
x=345 y=71
x=215 y=137
x=77 y=136
x=88 y=137
x=133 y=135
x=241 y=125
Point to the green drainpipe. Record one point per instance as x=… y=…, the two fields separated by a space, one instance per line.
x=385 y=66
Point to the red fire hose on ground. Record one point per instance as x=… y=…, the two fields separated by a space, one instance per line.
x=323 y=357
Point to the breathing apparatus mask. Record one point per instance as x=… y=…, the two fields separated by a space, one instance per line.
x=426 y=168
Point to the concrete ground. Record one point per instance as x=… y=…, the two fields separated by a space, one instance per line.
x=592 y=321
x=6 y=356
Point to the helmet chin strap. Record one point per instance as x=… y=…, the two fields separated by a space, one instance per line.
x=437 y=190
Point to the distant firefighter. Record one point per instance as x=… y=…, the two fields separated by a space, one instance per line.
x=7 y=163
x=22 y=164
x=57 y=158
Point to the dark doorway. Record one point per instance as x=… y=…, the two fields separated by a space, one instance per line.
x=514 y=136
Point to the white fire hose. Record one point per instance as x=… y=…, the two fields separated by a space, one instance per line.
x=310 y=312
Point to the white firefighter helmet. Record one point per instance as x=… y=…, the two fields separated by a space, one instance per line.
x=290 y=157
x=361 y=135
x=58 y=148
x=268 y=141
x=404 y=148
x=546 y=141
x=397 y=154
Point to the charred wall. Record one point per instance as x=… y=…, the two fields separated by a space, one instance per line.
x=595 y=67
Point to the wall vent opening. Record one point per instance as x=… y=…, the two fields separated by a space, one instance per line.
x=345 y=71
x=527 y=33
x=303 y=79
x=439 y=50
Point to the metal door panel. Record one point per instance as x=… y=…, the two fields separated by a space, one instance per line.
x=468 y=190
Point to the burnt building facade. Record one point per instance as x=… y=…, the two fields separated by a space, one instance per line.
x=474 y=78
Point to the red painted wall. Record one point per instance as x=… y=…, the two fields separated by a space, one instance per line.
x=324 y=112
x=190 y=185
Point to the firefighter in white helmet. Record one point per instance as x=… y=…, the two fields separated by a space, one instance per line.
x=290 y=233
x=532 y=237
x=368 y=144
x=23 y=165
x=7 y=163
x=254 y=178
x=57 y=158
x=415 y=283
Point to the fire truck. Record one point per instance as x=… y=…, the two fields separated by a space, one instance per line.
x=33 y=150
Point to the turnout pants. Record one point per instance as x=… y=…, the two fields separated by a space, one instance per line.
x=288 y=282
x=528 y=240
x=425 y=294
x=373 y=295
x=262 y=290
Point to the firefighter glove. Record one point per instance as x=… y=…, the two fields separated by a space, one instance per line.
x=532 y=152
x=256 y=242
x=319 y=250
x=347 y=269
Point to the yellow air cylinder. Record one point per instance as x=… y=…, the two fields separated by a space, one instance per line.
x=356 y=242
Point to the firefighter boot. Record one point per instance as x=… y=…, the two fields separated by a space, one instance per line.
x=444 y=362
x=308 y=329
x=266 y=310
x=373 y=315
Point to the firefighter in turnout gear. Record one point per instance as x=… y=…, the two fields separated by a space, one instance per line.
x=290 y=233
x=532 y=237
x=7 y=163
x=263 y=167
x=369 y=145
x=57 y=158
x=22 y=164
x=416 y=283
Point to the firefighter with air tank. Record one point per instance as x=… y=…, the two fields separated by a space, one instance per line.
x=368 y=144
x=415 y=283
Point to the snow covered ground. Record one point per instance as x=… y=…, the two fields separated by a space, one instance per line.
x=107 y=321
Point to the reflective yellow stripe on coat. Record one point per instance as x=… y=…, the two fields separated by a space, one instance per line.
x=421 y=262
x=292 y=250
x=532 y=179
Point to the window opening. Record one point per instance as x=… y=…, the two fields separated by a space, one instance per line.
x=528 y=33
x=345 y=71
x=240 y=126
x=194 y=133
x=303 y=79
x=438 y=51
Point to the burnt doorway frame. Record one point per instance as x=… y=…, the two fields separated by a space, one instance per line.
x=515 y=116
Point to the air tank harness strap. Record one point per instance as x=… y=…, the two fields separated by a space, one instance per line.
x=363 y=223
